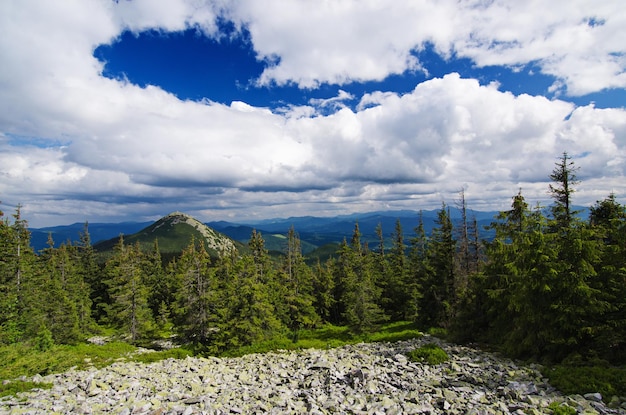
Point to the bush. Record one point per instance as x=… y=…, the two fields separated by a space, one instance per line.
x=606 y=380
x=14 y=387
x=561 y=409
x=430 y=354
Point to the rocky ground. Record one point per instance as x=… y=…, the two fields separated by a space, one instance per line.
x=372 y=378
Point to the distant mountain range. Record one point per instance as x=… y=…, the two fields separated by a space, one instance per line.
x=314 y=232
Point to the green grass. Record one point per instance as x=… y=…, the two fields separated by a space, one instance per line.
x=329 y=336
x=17 y=386
x=23 y=360
x=429 y=353
x=580 y=379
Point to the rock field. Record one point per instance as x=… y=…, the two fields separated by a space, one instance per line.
x=374 y=378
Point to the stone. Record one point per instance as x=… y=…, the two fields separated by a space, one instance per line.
x=374 y=378
x=596 y=397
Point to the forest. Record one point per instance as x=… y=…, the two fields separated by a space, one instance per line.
x=549 y=286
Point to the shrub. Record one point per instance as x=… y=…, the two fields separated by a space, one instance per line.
x=561 y=409
x=14 y=387
x=606 y=380
x=429 y=353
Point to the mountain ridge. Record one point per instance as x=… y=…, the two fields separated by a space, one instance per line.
x=314 y=230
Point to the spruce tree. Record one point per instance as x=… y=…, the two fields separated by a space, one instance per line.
x=56 y=295
x=297 y=284
x=200 y=303
x=360 y=296
x=608 y=219
x=564 y=178
x=93 y=276
x=439 y=296
x=398 y=288
x=17 y=261
x=251 y=297
x=420 y=272
x=129 y=309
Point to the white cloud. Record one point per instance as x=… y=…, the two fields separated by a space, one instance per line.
x=120 y=151
x=580 y=42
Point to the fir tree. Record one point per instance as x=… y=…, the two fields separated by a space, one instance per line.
x=564 y=178
x=297 y=285
x=200 y=308
x=439 y=296
x=129 y=310
x=360 y=296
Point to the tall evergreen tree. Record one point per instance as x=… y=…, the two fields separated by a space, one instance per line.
x=439 y=296
x=56 y=295
x=360 y=296
x=564 y=178
x=608 y=219
x=129 y=309
x=252 y=295
x=16 y=267
x=420 y=272
x=200 y=301
x=323 y=289
x=297 y=285
x=398 y=291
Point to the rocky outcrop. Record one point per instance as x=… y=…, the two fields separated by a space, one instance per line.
x=374 y=378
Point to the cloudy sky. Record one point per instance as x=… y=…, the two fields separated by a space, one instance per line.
x=244 y=109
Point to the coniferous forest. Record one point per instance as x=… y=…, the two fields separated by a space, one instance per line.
x=549 y=286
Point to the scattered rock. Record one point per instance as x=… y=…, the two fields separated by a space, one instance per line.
x=374 y=378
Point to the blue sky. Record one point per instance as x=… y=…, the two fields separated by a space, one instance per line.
x=245 y=110
x=194 y=67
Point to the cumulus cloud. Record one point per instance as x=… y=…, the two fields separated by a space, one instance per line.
x=116 y=150
x=309 y=43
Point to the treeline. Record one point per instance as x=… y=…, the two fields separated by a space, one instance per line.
x=550 y=285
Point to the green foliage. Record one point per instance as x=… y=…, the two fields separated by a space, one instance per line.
x=127 y=288
x=588 y=378
x=395 y=331
x=44 y=340
x=561 y=409
x=17 y=386
x=21 y=359
x=429 y=353
x=151 y=357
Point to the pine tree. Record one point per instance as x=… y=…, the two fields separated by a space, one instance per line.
x=93 y=276
x=200 y=302
x=360 y=296
x=323 y=289
x=608 y=219
x=55 y=295
x=398 y=290
x=564 y=178
x=439 y=296
x=16 y=269
x=420 y=271
x=252 y=293
x=297 y=284
x=129 y=310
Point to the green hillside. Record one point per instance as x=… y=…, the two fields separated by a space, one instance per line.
x=173 y=233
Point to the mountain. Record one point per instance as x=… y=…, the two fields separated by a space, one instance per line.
x=71 y=233
x=314 y=232
x=174 y=232
x=320 y=231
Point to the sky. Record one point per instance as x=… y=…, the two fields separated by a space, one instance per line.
x=245 y=110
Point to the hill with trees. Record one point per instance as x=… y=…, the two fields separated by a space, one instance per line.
x=548 y=285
